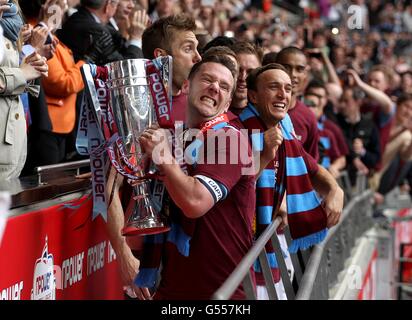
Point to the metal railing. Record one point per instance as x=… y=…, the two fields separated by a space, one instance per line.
x=242 y=273
x=53 y=168
x=321 y=265
x=344 y=182
x=327 y=258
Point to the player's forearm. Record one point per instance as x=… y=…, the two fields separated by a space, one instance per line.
x=115 y=214
x=339 y=163
x=379 y=97
x=406 y=153
x=330 y=69
x=186 y=191
x=324 y=183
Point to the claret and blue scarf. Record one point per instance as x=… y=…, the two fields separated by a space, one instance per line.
x=306 y=217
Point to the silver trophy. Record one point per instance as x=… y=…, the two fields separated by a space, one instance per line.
x=132 y=105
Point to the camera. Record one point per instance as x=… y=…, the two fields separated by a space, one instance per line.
x=317 y=55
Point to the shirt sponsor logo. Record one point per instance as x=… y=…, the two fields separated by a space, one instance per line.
x=218 y=119
x=160 y=96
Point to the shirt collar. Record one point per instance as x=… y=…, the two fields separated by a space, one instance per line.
x=96 y=17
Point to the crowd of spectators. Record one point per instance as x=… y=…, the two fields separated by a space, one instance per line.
x=358 y=51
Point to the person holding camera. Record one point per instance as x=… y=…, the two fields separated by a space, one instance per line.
x=397 y=158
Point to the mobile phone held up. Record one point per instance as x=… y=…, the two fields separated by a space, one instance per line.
x=317 y=55
x=49 y=38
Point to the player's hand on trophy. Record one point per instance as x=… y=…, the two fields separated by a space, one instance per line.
x=155 y=143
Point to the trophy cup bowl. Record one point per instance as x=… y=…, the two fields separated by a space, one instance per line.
x=133 y=112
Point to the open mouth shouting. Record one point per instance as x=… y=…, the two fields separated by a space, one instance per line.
x=208 y=101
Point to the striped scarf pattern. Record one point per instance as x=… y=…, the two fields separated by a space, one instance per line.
x=306 y=217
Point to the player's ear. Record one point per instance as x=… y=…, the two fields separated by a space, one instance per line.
x=252 y=96
x=185 y=87
x=160 y=53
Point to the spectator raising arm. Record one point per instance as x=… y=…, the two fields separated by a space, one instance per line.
x=139 y=20
x=386 y=104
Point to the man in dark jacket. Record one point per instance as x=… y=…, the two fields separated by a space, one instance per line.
x=87 y=34
x=362 y=136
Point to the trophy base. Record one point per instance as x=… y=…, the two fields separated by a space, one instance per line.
x=144 y=219
x=134 y=231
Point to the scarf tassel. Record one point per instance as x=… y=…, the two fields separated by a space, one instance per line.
x=308 y=241
x=180 y=239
